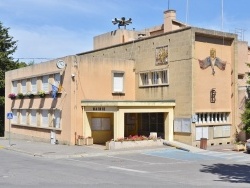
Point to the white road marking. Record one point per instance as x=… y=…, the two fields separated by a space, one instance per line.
x=127 y=169
x=131 y=160
x=87 y=162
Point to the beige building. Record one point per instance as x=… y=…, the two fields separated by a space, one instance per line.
x=173 y=79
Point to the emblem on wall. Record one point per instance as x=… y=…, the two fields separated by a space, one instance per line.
x=161 y=55
x=212 y=61
x=212 y=95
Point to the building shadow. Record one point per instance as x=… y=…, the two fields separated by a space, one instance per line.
x=233 y=173
x=31 y=103
x=42 y=101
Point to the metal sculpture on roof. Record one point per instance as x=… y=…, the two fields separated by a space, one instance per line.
x=122 y=22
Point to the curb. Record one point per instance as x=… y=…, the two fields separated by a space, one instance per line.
x=61 y=156
x=17 y=150
x=177 y=147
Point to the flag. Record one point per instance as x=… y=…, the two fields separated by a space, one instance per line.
x=54 y=91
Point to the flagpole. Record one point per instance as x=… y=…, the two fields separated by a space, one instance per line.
x=187 y=12
x=222 y=15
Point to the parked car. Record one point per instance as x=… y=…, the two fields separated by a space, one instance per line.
x=248 y=146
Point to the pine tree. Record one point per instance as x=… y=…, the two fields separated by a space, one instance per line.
x=7 y=47
x=245 y=117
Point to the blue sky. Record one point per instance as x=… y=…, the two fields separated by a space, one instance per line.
x=57 y=28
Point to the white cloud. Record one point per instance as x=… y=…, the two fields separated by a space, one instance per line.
x=56 y=28
x=49 y=42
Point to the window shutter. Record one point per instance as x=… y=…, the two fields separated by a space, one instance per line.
x=201 y=132
x=118 y=82
x=45 y=118
x=57 y=118
x=57 y=80
x=33 y=85
x=14 y=120
x=205 y=132
x=24 y=90
x=23 y=113
x=198 y=134
x=14 y=87
x=46 y=83
x=33 y=117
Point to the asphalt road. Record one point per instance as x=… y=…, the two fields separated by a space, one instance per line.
x=168 y=168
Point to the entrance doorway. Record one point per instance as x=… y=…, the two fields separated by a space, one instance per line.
x=144 y=123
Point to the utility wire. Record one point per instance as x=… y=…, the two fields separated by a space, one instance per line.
x=32 y=58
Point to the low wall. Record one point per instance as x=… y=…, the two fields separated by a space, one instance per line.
x=132 y=144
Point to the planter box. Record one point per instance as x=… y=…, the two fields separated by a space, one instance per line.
x=239 y=147
x=80 y=141
x=131 y=144
x=89 y=141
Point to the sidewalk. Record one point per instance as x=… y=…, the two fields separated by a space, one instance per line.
x=47 y=150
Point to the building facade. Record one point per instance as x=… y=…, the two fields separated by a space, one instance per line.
x=173 y=79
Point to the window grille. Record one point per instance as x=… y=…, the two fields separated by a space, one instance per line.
x=153 y=78
x=213 y=117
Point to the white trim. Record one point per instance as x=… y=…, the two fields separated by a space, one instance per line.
x=154 y=78
x=118 y=82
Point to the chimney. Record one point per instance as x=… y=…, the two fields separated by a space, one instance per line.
x=169 y=15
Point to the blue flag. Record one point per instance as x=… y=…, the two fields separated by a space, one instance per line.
x=54 y=91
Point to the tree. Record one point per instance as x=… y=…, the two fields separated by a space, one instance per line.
x=245 y=117
x=7 y=47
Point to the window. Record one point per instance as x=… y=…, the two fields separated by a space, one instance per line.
x=222 y=131
x=57 y=79
x=118 y=82
x=57 y=119
x=152 y=122
x=201 y=132
x=153 y=78
x=164 y=77
x=14 y=120
x=24 y=87
x=213 y=117
x=14 y=87
x=33 y=85
x=45 y=118
x=100 y=124
x=33 y=120
x=45 y=83
x=144 y=78
x=37 y=118
x=23 y=117
x=240 y=76
x=182 y=125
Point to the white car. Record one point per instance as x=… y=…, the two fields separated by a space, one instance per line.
x=248 y=146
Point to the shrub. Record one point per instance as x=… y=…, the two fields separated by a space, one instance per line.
x=30 y=95
x=12 y=95
x=41 y=94
x=20 y=95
